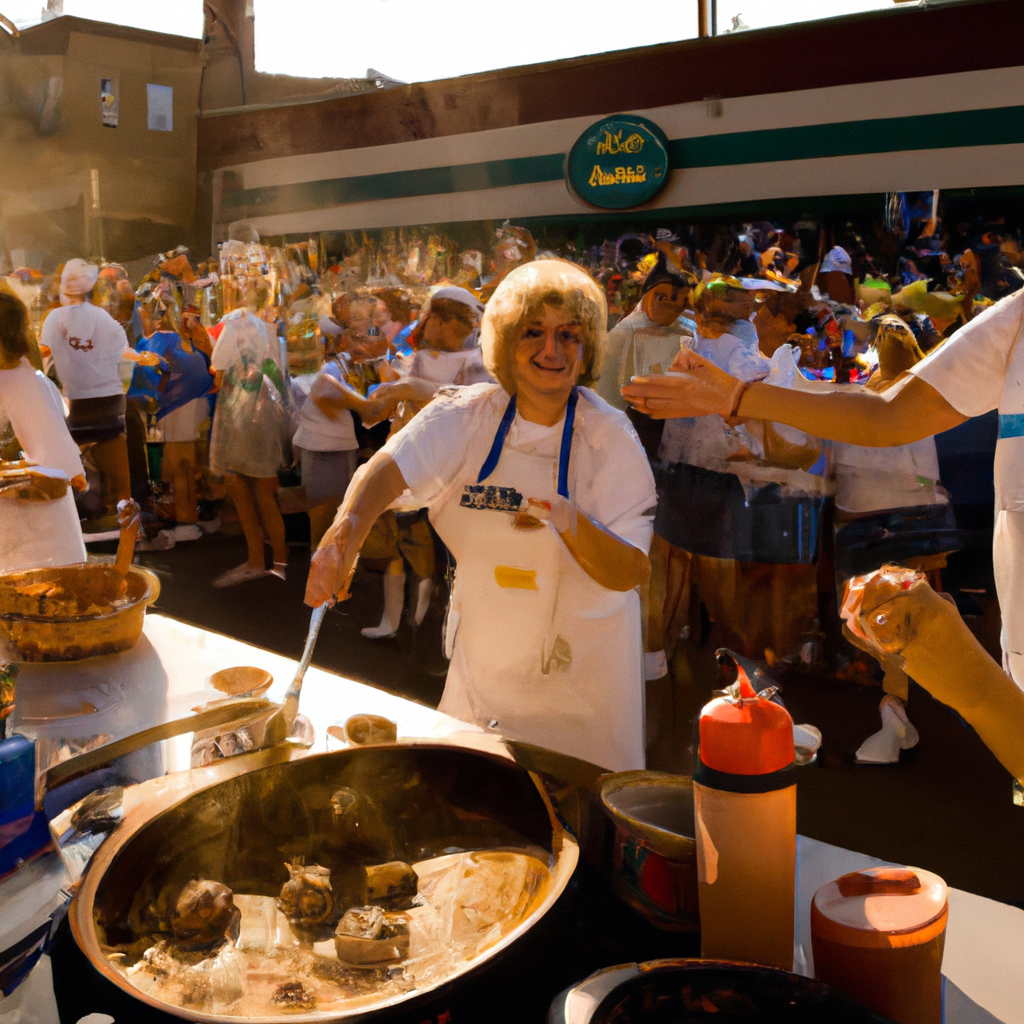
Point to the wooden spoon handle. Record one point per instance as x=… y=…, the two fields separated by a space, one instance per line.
x=128 y=514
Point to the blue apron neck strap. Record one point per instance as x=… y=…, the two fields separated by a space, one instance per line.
x=564 y=451
x=491 y=462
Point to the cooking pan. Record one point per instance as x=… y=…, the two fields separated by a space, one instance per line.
x=242 y=821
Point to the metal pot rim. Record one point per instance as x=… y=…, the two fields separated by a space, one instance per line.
x=148 y=596
x=162 y=799
x=669 y=844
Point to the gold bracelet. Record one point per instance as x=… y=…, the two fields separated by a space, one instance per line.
x=737 y=396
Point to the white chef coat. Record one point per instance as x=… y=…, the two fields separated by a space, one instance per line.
x=87 y=345
x=979 y=369
x=538 y=650
x=33 y=405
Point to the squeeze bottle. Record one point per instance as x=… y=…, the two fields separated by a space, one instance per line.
x=745 y=818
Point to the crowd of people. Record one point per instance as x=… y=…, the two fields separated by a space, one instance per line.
x=394 y=393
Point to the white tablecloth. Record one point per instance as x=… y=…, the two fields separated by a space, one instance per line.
x=167 y=674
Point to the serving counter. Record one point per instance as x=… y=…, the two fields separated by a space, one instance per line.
x=167 y=675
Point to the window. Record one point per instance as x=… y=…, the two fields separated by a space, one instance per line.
x=160 y=100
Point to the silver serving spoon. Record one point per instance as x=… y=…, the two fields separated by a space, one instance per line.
x=279 y=727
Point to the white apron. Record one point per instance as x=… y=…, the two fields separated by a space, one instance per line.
x=539 y=651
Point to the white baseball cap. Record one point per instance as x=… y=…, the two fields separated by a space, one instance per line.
x=463 y=295
x=78 y=277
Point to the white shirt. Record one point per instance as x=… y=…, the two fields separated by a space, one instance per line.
x=979 y=369
x=87 y=345
x=184 y=422
x=36 y=411
x=708 y=441
x=610 y=479
x=319 y=432
x=874 y=479
x=463 y=367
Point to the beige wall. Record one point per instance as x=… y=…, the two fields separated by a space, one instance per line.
x=146 y=179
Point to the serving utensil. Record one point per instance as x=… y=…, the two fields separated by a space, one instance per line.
x=280 y=726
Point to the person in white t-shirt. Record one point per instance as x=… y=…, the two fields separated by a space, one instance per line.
x=542 y=492
x=87 y=346
x=325 y=441
x=980 y=368
x=448 y=322
x=246 y=441
x=33 y=406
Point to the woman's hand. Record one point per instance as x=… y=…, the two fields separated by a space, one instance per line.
x=693 y=387
x=143 y=358
x=331 y=568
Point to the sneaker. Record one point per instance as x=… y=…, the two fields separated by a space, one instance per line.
x=240 y=574
x=187 y=531
x=280 y=570
x=163 y=541
x=897 y=733
x=210 y=525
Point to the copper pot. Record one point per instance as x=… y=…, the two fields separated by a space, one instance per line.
x=653 y=855
x=239 y=822
x=73 y=611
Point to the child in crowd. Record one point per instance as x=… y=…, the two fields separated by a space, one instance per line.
x=325 y=442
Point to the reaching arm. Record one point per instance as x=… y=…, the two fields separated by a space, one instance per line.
x=331 y=397
x=373 y=488
x=696 y=387
x=409 y=389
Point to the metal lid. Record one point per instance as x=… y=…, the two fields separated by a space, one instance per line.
x=881 y=907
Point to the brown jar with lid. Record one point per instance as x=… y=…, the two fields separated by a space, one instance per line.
x=878 y=935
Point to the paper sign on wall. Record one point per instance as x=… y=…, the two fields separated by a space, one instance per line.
x=108 y=102
x=160 y=99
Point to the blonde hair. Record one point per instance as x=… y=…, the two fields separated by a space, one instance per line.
x=523 y=293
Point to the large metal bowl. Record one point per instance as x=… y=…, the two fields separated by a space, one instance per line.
x=94 y=611
x=413 y=802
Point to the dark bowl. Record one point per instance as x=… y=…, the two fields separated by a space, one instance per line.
x=716 y=992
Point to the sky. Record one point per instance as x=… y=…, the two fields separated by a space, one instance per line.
x=344 y=38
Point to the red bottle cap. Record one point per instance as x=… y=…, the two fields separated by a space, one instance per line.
x=749 y=736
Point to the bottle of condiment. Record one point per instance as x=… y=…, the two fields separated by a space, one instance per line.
x=878 y=935
x=745 y=817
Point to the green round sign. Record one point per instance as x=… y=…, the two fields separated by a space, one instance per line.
x=618 y=162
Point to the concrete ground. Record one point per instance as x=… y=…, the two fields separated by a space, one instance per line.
x=946 y=807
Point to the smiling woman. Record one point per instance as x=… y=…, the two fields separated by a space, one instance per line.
x=542 y=493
